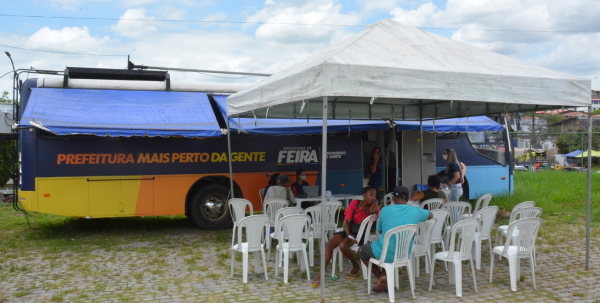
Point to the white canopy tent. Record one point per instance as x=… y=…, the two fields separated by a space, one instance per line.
x=392 y=71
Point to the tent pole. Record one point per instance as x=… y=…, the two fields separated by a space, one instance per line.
x=323 y=198
x=421 y=140
x=229 y=159
x=589 y=191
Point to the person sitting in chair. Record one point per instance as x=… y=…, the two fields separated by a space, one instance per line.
x=279 y=191
x=390 y=217
x=357 y=211
x=433 y=182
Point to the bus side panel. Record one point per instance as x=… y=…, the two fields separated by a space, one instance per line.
x=344 y=182
x=64 y=196
x=486 y=179
x=105 y=198
x=170 y=192
x=145 y=198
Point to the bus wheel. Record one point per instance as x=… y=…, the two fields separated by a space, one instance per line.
x=208 y=207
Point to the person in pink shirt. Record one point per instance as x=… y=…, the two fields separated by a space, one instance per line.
x=357 y=211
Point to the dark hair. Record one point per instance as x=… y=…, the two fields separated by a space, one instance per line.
x=366 y=189
x=273 y=180
x=374 y=149
x=434 y=181
x=299 y=171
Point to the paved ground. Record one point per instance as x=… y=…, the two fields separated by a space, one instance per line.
x=190 y=265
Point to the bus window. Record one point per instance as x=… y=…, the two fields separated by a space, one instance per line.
x=490 y=145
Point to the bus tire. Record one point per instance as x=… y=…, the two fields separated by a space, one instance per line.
x=208 y=207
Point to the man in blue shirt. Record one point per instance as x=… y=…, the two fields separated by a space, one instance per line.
x=390 y=217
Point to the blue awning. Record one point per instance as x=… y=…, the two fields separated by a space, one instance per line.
x=117 y=113
x=573 y=154
x=472 y=124
x=295 y=126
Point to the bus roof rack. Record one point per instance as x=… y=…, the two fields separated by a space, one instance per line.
x=115 y=74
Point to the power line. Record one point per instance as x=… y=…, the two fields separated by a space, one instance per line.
x=286 y=23
x=57 y=52
x=5 y=74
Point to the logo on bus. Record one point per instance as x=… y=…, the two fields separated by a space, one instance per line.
x=294 y=155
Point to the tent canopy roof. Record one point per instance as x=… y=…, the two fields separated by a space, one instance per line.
x=295 y=126
x=471 y=124
x=117 y=113
x=574 y=153
x=398 y=68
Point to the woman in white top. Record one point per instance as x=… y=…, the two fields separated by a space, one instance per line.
x=279 y=191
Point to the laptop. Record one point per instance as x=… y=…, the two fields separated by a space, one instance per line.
x=311 y=190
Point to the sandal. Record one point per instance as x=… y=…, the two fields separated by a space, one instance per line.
x=380 y=287
x=353 y=276
x=315 y=284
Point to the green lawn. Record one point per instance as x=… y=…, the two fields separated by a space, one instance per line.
x=556 y=192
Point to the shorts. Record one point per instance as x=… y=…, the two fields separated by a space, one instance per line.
x=345 y=235
x=365 y=252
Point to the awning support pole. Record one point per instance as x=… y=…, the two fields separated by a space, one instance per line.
x=323 y=198
x=589 y=191
x=229 y=159
x=421 y=140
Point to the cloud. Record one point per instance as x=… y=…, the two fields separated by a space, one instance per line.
x=67 y=39
x=417 y=17
x=135 y=28
x=550 y=33
x=312 y=13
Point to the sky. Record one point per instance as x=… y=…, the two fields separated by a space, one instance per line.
x=268 y=36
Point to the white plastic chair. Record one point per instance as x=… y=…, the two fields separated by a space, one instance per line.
x=523 y=213
x=521 y=205
x=404 y=237
x=365 y=226
x=334 y=208
x=257 y=229
x=422 y=245
x=456 y=210
x=314 y=231
x=286 y=211
x=261 y=193
x=388 y=199
x=237 y=210
x=523 y=247
x=270 y=208
x=483 y=201
x=456 y=256
x=296 y=226
x=533 y=212
x=437 y=235
x=487 y=216
x=432 y=204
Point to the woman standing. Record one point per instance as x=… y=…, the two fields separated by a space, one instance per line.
x=456 y=174
x=375 y=171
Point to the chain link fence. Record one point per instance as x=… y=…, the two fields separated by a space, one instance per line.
x=546 y=149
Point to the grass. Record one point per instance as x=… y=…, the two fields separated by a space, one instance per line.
x=557 y=192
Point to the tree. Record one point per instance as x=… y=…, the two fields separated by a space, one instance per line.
x=4 y=98
x=568 y=142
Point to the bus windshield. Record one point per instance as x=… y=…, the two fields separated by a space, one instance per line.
x=490 y=145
